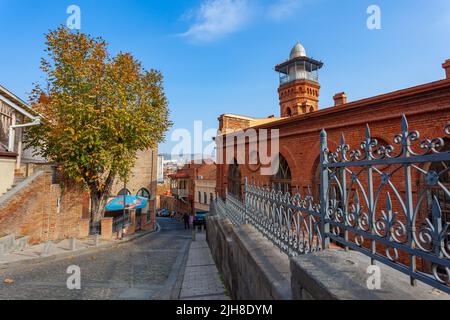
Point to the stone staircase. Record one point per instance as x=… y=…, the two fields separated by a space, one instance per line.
x=18 y=184
x=17 y=180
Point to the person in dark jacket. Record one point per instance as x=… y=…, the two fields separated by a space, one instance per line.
x=186 y=220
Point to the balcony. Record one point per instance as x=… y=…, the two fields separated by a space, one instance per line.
x=299 y=75
x=180 y=193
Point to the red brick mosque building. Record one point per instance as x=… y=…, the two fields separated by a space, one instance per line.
x=426 y=106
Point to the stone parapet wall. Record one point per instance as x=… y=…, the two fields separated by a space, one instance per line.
x=254 y=269
x=341 y=275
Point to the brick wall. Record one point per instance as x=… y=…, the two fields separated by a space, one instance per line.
x=230 y=123
x=43 y=211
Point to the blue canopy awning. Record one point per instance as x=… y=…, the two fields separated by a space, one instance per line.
x=132 y=202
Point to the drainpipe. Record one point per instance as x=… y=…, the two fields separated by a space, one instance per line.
x=36 y=121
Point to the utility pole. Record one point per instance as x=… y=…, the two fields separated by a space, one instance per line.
x=124 y=205
x=193 y=204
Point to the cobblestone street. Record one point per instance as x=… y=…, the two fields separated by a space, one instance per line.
x=147 y=268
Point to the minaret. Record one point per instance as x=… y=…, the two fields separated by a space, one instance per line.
x=299 y=83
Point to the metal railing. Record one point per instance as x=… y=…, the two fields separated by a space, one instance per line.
x=291 y=223
x=382 y=202
x=373 y=202
x=95 y=229
x=299 y=75
x=181 y=193
x=232 y=208
x=120 y=222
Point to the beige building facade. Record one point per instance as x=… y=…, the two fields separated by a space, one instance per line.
x=204 y=187
x=142 y=182
x=205 y=191
x=15 y=117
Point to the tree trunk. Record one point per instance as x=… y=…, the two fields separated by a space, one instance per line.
x=99 y=199
x=95 y=206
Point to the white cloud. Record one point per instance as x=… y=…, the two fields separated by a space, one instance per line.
x=218 y=18
x=215 y=19
x=283 y=9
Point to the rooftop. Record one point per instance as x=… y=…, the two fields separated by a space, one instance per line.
x=16 y=103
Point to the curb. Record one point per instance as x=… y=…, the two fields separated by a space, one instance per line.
x=80 y=252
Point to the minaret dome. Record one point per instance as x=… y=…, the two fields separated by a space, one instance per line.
x=299 y=83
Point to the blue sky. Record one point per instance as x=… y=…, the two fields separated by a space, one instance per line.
x=218 y=55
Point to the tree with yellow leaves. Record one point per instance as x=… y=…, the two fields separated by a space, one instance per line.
x=98 y=111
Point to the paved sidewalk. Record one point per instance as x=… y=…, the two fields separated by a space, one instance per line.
x=201 y=278
x=63 y=249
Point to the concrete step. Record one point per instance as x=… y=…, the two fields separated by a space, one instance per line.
x=17 y=181
x=19 y=184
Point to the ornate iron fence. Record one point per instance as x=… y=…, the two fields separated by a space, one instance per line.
x=232 y=208
x=375 y=203
x=291 y=223
x=391 y=204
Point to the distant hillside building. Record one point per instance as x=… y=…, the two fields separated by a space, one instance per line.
x=160 y=169
x=194 y=188
x=205 y=187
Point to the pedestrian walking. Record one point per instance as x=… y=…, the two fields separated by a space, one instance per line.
x=186 y=220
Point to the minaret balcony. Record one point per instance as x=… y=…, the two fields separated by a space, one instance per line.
x=299 y=75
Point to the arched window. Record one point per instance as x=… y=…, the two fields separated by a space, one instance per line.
x=199 y=197
x=124 y=192
x=282 y=181
x=144 y=193
x=206 y=198
x=211 y=198
x=235 y=180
